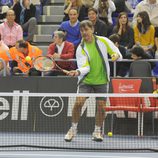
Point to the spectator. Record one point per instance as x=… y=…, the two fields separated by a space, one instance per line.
x=124 y=30
x=3 y=46
x=25 y=13
x=77 y=4
x=121 y=67
x=105 y=8
x=151 y=7
x=100 y=28
x=61 y=49
x=18 y=54
x=10 y=31
x=71 y=27
x=144 y=33
x=138 y=53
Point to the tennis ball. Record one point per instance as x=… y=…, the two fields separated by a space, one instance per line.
x=28 y=58
x=155 y=91
x=110 y=134
x=114 y=57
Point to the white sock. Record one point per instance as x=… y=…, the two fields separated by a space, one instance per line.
x=97 y=129
x=74 y=126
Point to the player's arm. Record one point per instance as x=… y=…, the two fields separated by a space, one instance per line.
x=113 y=51
x=82 y=63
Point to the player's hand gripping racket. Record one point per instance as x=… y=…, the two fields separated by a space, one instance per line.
x=45 y=63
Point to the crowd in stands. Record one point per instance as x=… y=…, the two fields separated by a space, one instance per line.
x=131 y=24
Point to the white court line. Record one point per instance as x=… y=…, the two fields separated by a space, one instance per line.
x=80 y=156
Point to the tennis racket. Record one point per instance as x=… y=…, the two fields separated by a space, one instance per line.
x=45 y=63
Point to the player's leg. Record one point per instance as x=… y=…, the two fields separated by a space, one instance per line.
x=100 y=114
x=76 y=112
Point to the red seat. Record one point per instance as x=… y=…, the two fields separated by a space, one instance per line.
x=125 y=103
x=150 y=106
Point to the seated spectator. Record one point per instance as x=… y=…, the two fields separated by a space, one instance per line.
x=144 y=33
x=77 y=4
x=105 y=8
x=124 y=30
x=71 y=27
x=61 y=49
x=138 y=53
x=3 y=46
x=25 y=13
x=16 y=58
x=10 y=31
x=100 y=28
x=151 y=7
x=122 y=67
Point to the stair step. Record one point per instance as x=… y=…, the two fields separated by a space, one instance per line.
x=46 y=29
x=51 y=18
x=56 y=2
x=53 y=10
x=42 y=38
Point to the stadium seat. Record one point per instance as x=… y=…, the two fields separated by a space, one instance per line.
x=140 y=69
x=143 y=69
x=150 y=106
x=125 y=103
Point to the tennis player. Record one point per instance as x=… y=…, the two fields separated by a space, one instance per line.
x=93 y=73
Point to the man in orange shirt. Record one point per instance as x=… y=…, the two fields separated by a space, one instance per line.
x=17 y=55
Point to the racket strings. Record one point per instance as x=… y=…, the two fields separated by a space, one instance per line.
x=44 y=64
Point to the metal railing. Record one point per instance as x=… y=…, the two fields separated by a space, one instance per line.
x=115 y=62
x=68 y=60
x=128 y=60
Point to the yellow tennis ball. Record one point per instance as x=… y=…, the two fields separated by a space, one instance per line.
x=155 y=91
x=113 y=58
x=28 y=58
x=110 y=134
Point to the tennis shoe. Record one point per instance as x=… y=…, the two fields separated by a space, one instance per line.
x=97 y=136
x=70 y=135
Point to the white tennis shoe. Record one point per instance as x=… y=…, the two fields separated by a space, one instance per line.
x=70 y=135
x=97 y=136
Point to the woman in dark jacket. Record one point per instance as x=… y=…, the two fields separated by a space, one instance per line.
x=125 y=32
